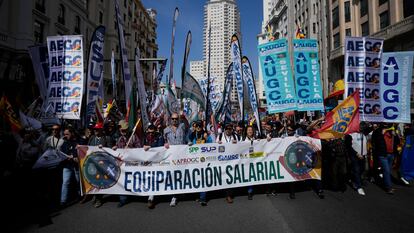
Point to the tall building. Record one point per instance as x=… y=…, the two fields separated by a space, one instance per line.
x=284 y=17
x=392 y=20
x=26 y=23
x=224 y=18
x=197 y=70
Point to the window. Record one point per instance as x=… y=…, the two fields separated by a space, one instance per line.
x=335 y=17
x=40 y=5
x=348 y=32
x=384 y=19
x=365 y=29
x=100 y=17
x=380 y=2
x=347 y=12
x=336 y=38
x=38 y=32
x=61 y=16
x=363 y=7
x=77 y=24
x=314 y=28
x=408 y=8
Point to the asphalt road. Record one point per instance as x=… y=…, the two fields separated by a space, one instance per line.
x=338 y=212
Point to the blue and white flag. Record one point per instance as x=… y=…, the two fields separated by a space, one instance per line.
x=251 y=87
x=124 y=57
x=237 y=70
x=95 y=72
x=224 y=110
x=40 y=61
x=171 y=76
x=142 y=94
x=113 y=75
x=396 y=74
x=277 y=76
x=307 y=75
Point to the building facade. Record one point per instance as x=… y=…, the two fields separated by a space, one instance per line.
x=27 y=23
x=283 y=18
x=392 y=20
x=224 y=18
x=197 y=70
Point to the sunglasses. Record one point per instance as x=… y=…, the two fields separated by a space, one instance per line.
x=55 y=129
x=174 y=119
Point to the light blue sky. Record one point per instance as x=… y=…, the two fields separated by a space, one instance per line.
x=191 y=18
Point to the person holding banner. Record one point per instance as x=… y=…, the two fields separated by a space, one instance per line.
x=175 y=134
x=250 y=137
x=70 y=165
x=228 y=137
x=125 y=142
x=99 y=139
x=200 y=137
x=152 y=139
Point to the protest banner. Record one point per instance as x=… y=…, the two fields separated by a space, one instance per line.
x=307 y=75
x=362 y=71
x=251 y=87
x=94 y=91
x=236 y=59
x=66 y=76
x=277 y=76
x=395 y=91
x=198 y=168
x=40 y=61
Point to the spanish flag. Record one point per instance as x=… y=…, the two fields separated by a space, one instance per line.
x=342 y=120
x=7 y=112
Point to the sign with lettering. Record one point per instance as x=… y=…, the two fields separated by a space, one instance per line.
x=277 y=76
x=66 y=75
x=307 y=75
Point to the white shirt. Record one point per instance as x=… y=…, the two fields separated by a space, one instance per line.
x=359 y=143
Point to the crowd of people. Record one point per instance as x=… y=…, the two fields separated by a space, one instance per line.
x=369 y=155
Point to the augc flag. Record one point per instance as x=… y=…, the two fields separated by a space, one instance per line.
x=342 y=120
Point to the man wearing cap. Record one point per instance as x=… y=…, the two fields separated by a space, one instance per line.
x=125 y=141
x=175 y=134
x=99 y=139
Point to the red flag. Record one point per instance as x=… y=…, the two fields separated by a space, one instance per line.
x=342 y=120
x=6 y=110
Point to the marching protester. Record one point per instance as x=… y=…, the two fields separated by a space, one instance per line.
x=250 y=137
x=152 y=138
x=125 y=141
x=385 y=142
x=175 y=134
x=54 y=141
x=356 y=146
x=228 y=137
x=200 y=137
x=101 y=140
x=70 y=165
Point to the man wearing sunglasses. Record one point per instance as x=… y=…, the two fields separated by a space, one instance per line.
x=175 y=134
x=152 y=139
x=54 y=141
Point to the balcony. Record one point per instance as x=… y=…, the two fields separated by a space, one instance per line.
x=396 y=29
x=338 y=52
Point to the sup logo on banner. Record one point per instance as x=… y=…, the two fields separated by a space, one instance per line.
x=101 y=170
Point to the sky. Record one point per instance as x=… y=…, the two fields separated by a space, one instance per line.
x=191 y=18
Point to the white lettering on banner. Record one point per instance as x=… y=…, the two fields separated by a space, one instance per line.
x=199 y=168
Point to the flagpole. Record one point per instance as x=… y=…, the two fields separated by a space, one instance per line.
x=208 y=75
